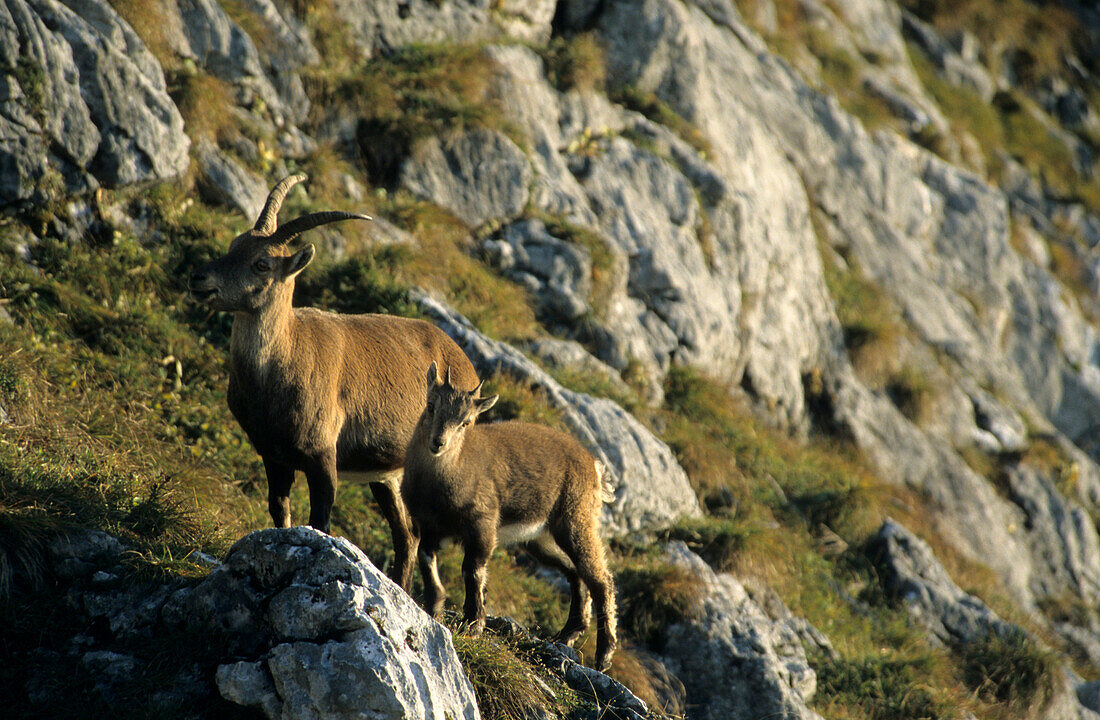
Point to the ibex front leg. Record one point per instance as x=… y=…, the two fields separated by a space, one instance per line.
x=479 y=546
x=321 y=475
x=279 y=479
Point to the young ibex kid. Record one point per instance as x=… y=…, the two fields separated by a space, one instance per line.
x=317 y=391
x=506 y=482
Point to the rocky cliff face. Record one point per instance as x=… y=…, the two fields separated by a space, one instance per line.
x=728 y=193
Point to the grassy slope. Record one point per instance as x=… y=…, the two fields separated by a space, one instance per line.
x=105 y=432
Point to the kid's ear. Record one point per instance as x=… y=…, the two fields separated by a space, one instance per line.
x=298 y=261
x=433 y=375
x=484 y=404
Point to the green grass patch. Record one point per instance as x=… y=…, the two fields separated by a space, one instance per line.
x=417 y=91
x=878 y=688
x=654 y=595
x=1039 y=36
x=724 y=451
x=506 y=683
x=1011 y=670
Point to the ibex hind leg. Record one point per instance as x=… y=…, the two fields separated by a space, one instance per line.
x=546 y=551
x=387 y=493
x=582 y=544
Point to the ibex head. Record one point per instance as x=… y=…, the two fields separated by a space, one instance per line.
x=259 y=266
x=450 y=411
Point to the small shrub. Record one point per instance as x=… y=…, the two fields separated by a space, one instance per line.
x=1011 y=669
x=716 y=540
x=149 y=20
x=653 y=596
x=870 y=323
x=359 y=284
x=32 y=81
x=415 y=92
x=575 y=63
x=506 y=685
x=204 y=101
x=912 y=392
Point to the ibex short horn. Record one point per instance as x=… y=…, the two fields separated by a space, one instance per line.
x=320 y=392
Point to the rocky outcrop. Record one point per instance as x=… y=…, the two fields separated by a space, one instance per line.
x=911 y=573
x=735 y=661
x=707 y=266
x=83 y=103
x=479 y=176
x=651 y=489
x=344 y=641
x=308 y=627
x=935 y=238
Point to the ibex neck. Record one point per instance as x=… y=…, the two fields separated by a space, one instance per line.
x=263 y=337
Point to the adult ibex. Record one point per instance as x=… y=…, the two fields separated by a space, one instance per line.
x=321 y=392
x=507 y=482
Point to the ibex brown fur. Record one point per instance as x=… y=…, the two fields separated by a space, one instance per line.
x=317 y=391
x=507 y=482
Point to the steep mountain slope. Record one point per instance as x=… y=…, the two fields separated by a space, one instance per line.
x=792 y=268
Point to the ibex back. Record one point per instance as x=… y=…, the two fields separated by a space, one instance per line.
x=316 y=391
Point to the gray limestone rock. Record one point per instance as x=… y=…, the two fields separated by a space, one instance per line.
x=571 y=355
x=226 y=181
x=346 y=642
x=911 y=572
x=480 y=175
x=651 y=489
x=557 y=273
x=82 y=102
x=711 y=267
x=267 y=83
x=736 y=662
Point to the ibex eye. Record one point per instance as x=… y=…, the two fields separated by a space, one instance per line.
x=263 y=264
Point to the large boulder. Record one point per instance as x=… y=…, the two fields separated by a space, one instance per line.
x=344 y=641
x=910 y=572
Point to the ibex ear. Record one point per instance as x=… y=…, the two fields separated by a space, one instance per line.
x=298 y=261
x=433 y=375
x=483 y=404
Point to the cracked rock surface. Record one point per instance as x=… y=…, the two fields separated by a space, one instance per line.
x=345 y=642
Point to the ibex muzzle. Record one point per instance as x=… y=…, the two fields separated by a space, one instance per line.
x=321 y=392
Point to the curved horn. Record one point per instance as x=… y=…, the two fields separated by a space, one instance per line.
x=448 y=380
x=476 y=392
x=297 y=226
x=267 y=222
